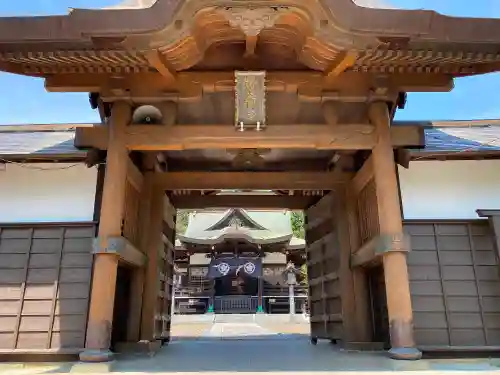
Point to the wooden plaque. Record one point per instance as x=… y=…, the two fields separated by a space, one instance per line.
x=250 y=99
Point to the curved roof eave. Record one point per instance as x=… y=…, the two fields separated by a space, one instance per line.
x=228 y=236
x=83 y=24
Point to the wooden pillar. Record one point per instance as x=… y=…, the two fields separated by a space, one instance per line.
x=359 y=280
x=153 y=248
x=102 y=297
x=391 y=228
x=139 y=274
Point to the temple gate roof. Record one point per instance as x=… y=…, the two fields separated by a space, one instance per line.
x=295 y=34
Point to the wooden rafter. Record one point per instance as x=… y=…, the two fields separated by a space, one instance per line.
x=183 y=137
x=250 y=180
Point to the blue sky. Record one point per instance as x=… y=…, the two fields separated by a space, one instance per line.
x=24 y=99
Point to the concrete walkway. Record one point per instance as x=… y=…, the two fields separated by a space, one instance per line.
x=249 y=348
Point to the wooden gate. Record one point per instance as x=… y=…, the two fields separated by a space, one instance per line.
x=330 y=280
x=166 y=270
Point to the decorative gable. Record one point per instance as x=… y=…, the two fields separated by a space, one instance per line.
x=236 y=218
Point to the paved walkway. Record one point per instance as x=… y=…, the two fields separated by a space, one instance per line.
x=248 y=348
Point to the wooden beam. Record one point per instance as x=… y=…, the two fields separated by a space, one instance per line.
x=353 y=83
x=184 y=137
x=301 y=165
x=95 y=137
x=363 y=176
x=134 y=176
x=127 y=252
x=244 y=201
x=249 y=180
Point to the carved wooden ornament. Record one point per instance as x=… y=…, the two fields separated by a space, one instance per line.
x=252 y=21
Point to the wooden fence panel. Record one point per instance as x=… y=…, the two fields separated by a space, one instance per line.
x=45 y=275
x=455 y=283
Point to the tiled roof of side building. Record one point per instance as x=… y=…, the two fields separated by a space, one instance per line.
x=460 y=136
x=485 y=138
x=57 y=140
x=39 y=141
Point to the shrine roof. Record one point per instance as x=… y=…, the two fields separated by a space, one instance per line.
x=119 y=39
x=260 y=227
x=139 y=17
x=54 y=141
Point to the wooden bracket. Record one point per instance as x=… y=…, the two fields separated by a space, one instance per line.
x=341 y=64
x=156 y=60
x=378 y=246
x=121 y=247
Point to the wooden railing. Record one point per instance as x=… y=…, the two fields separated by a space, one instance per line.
x=236 y=304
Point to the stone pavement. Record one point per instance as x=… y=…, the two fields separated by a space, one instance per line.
x=249 y=348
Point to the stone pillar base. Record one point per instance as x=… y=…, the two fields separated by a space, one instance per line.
x=407 y=354
x=96 y=356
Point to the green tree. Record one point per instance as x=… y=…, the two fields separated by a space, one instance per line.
x=181 y=221
x=297 y=219
x=303 y=270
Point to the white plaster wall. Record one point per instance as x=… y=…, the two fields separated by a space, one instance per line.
x=28 y=194
x=449 y=189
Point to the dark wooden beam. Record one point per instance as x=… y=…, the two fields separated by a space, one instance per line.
x=185 y=165
x=310 y=136
x=243 y=201
x=188 y=83
x=250 y=180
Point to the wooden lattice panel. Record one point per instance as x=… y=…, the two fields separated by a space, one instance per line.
x=45 y=273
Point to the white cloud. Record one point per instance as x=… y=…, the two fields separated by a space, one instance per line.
x=134 y=4
x=373 y=4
